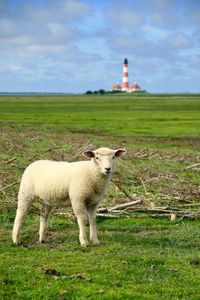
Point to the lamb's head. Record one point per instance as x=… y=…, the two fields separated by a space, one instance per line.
x=104 y=159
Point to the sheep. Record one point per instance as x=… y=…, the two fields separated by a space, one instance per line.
x=81 y=183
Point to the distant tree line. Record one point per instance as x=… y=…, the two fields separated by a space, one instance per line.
x=101 y=92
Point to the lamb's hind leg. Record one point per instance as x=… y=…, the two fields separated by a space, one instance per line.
x=23 y=206
x=45 y=214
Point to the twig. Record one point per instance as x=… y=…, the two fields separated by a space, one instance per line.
x=121 y=212
x=1 y=190
x=192 y=166
x=125 y=210
x=32 y=157
x=160 y=177
x=125 y=205
x=107 y=215
x=52 y=148
x=83 y=148
x=102 y=210
x=46 y=150
x=158 y=210
x=189 y=204
x=174 y=155
x=10 y=160
x=140 y=152
x=8 y=186
x=121 y=189
x=145 y=190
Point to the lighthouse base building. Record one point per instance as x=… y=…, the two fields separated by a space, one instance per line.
x=135 y=87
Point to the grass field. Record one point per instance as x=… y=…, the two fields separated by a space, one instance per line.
x=140 y=258
x=151 y=116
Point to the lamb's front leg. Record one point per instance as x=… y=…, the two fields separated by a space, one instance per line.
x=92 y=211
x=80 y=212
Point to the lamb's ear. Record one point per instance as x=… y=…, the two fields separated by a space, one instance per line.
x=120 y=152
x=89 y=153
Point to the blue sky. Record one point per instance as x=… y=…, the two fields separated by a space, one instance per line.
x=80 y=45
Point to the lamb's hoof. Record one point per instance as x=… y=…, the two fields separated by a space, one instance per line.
x=16 y=242
x=84 y=244
x=96 y=243
x=41 y=241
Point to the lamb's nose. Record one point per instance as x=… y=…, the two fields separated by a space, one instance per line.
x=108 y=170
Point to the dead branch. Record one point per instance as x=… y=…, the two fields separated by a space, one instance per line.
x=188 y=205
x=192 y=166
x=107 y=215
x=182 y=215
x=8 y=186
x=143 y=184
x=83 y=148
x=173 y=217
x=52 y=148
x=123 y=210
x=121 y=189
x=10 y=160
x=128 y=209
x=125 y=205
x=140 y=152
x=1 y=190
x=173 y=155
x=102 y=210
x=159 y=177
x=32 y=157
x=158 y=210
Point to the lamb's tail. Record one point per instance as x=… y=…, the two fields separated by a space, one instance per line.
x=26 y=191
x=25 y=197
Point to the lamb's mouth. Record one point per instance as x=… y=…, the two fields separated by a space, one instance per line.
x=108 y=172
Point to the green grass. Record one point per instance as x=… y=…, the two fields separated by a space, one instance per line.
x=175 y=116
x=139 y=258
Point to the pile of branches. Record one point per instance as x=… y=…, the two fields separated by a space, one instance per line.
x=136 y=209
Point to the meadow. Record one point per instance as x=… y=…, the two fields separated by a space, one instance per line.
x=148 y=115
x=142 y=256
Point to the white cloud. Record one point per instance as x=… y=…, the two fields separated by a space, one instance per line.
x=166 y=20
x=155 y=33
x=74 y=8
x=126 y=43
x=8 y=28
x=60 y=43
x=126 y=19
x=179 y=40
x=11 y=67
x=195 y=16
x=53 y=11
x=159 y=4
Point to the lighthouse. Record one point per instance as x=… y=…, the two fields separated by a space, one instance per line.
x=135 y=87
x=125 y=84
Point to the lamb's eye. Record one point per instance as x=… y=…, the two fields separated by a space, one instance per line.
x=113 y=157
x=97 y=158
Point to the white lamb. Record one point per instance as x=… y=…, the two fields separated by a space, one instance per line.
x=80 y=183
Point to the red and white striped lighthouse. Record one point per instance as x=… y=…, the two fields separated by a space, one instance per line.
x=125 y=84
